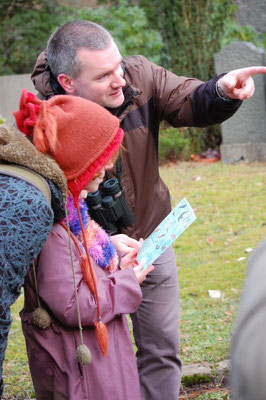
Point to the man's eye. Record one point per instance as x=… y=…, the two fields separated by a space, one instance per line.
x=121 y=71
x=103 y=76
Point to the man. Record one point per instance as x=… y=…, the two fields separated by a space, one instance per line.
x=83 y=60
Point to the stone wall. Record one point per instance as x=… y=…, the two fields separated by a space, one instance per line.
x=10 y=91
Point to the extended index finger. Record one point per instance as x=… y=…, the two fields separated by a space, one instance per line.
x=250 y=71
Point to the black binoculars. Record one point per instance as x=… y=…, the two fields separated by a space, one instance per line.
x=109 y=208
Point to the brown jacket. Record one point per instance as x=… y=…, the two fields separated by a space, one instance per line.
x=152 y=94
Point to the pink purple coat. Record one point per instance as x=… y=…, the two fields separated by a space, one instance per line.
x=51 y=352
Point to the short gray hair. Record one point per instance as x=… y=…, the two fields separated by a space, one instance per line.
x=67 y=39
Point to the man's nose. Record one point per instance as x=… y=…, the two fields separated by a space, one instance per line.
x=118 y=80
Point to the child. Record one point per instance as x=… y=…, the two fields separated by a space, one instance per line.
x=83 y=286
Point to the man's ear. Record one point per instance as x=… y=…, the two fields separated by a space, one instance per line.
x=67 y=83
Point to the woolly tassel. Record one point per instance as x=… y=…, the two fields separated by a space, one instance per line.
x=26 y=116
x=102 y=336
x=87 y=273
x=51 y=128
x=41 y=318
x=83 y=355
x=101 y=331
x=39 y=139
x=45 y=130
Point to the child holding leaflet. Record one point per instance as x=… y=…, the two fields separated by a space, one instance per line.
x=77 y=340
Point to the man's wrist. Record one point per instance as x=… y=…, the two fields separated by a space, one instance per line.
x=221 y=93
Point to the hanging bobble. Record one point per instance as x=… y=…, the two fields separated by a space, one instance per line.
x=87 y=273
x=41 y=318
x=102 y=336
x=83 y=355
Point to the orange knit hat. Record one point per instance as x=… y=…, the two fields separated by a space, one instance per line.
x=80 y=135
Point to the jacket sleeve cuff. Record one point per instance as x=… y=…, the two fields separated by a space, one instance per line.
x=209 y=107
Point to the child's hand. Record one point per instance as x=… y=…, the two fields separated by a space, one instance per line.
x=124 y=244
x=141 y=275
x=129 y=260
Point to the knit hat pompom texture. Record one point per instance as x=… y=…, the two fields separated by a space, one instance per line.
x=79 y=134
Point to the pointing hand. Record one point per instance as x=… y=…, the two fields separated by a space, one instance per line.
x=238 y=84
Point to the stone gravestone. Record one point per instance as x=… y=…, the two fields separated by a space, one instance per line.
x=252 y=13
x=10 y=92
x=244 y=135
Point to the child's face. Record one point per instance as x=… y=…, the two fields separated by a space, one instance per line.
x=93 y=185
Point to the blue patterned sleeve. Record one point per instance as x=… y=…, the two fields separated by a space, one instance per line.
x=26 y=220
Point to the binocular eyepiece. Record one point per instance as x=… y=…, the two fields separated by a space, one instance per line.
x=109 y=208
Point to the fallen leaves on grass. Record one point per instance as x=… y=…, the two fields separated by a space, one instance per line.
x=205 y=390
x=210 y=240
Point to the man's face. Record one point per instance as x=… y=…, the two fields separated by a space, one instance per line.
x=101 y=78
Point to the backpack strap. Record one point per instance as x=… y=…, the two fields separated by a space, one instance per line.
x=27 y=175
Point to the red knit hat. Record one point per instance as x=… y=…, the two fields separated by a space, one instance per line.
x=80 y=135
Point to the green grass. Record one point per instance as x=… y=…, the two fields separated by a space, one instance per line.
x=17 y=379
x=229 y=201
x=219 y=395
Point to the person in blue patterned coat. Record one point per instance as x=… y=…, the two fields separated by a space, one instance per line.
x=32 y=188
